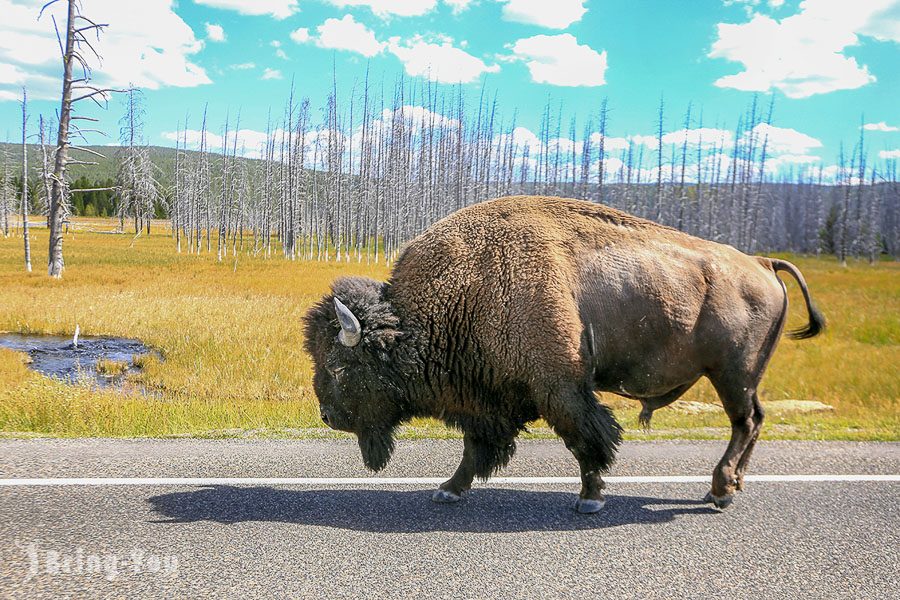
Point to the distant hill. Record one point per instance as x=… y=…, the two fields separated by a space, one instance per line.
x=163 y=157
x=102 y=175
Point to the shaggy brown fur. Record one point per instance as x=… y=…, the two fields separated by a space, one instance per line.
x=524 y=306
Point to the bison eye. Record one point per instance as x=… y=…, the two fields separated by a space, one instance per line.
x=336 y=372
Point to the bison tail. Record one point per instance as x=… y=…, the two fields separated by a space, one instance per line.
x=816 y=323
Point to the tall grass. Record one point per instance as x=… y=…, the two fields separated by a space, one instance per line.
x=230 y=335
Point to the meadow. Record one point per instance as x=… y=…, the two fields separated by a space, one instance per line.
x=230 y=337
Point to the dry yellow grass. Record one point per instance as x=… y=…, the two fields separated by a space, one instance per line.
x=230 y=335
x=111 y=368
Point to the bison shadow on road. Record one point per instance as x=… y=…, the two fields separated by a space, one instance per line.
x=486 y=510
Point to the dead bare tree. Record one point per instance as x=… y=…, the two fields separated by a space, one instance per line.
x=136 y=186
x=78 y=27
x=7 y=192
x=24 y=200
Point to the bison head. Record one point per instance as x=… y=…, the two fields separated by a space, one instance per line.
x=352 y=335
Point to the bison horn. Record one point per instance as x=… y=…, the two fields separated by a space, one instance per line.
x=350 y=330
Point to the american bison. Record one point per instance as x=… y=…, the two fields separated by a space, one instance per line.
x=523 y=307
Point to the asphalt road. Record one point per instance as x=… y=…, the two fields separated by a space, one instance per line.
x=803 y=539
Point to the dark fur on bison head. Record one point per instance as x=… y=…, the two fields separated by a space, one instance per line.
x=359 y=366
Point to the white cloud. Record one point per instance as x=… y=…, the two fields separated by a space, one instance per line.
x=610 y=165
x=889 y=154
x=440 y=61
x=280 y=9
x=555 y=14
x=749 y=5
x=561 y=60
x=348 y=34
x=458 y=6
x=279 y=53
x=802 y=55
x=249 y=141
x=705 y=135
x=781 y=140
x=522 y=137
x=834 y=174
x=649 y=141
x=415 y=115
x=300 y=35
x=243 y=66
x=215 y=33
x=388 y=8
x=880 y=126
x=610 y=144
x=271 y=74
x=778 y=164
x=146 y=43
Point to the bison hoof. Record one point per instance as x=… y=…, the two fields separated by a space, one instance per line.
x=589 y=506
x=445 y=497
x=720 y=502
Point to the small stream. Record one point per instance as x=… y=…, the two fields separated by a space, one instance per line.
x=57 y=356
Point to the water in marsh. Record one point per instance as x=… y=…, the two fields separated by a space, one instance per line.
x=59 y=357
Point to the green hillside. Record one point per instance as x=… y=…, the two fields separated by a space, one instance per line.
x=162 y=157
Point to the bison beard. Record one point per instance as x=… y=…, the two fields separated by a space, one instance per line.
x=522 y=308
x=376 y=446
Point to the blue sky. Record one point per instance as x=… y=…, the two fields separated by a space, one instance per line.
x=828 y=63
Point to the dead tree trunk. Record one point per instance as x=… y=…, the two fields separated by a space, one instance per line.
x=25 y=237
x=76 y=40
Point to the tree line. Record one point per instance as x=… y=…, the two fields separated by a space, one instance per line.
x=377 y=169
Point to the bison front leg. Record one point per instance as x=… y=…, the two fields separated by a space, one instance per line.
x=480 y=459
x=592 y=434
x=461 y=482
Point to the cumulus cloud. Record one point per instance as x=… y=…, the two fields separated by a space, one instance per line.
x=700 y=135
x=388 y=8
x=777 y=164
x=280 y=9
x=347 y=34
x=416 y=115
x=146 y=43
x=300 y=35
x=438 y=60
x=560 y=60
x=610 y=144
x=215 y=33
x=803 y=54
x=649 y=141
x=889 y=154
x=557 y=14
x=458 y=5
x=249 y=141
x=782 y=140
x=880 y=126
x=750 y=5
x=271 y=74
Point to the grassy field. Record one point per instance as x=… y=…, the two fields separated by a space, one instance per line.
x=230 y=335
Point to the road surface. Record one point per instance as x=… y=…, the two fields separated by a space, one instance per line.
x=297 y=519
